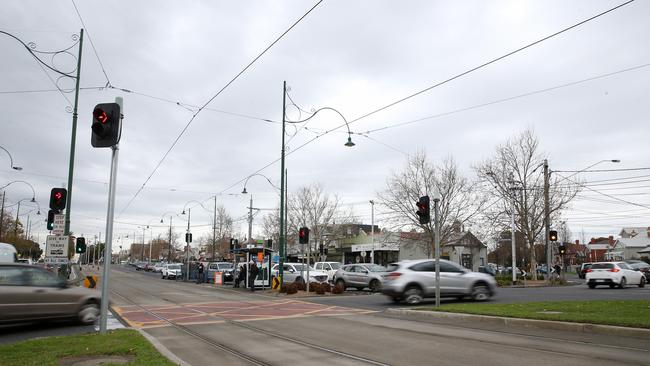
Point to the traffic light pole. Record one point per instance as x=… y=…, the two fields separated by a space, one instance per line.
x=74 y=137
x=436 y=240
x=108 y=251
x=547 y=224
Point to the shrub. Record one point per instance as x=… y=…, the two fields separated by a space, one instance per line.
x=300 y=286
x=314 y=286
x=292 y=289
x=338 y=289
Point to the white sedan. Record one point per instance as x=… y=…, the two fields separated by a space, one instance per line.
x=297 y=272
x=613 y=274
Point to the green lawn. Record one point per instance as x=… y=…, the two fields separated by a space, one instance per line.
x=631 y=313
x=48 y=351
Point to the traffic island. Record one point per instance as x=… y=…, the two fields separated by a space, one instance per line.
x=89 y=349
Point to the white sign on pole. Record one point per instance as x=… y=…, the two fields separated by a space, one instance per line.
x=56 y=246
x=56 y=260
x=59 y=224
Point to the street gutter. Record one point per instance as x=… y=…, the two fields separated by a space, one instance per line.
x=529 y=323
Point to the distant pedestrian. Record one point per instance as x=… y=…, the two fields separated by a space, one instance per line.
x=199 y=275
x=241 y=276
x=252 y=268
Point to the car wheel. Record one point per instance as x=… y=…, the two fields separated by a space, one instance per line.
x=592 y=285
x=340 y=283
x=375 y=285
x=611 y=285
x=162 y=276
x=299 y=280
x=623 y=283
x=642 y=282
x=413 y=295
x=88 y=313
x=480 y=292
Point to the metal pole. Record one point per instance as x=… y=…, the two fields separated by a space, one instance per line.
x=150 y=247
x=308 y=264
x=214 y=227
x=372 y=230
x=512 y=240
x=187 y=241
x=547 y=223
x=16 y=222
x=250 y=221
x=142 y=255
x=169 y=256
x=436 y=243
x=2 y=213
x=109 y=234
x=282 y=221
x=73 y=139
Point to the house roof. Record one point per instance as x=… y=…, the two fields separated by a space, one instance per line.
x=639 y=241
x=633 y=231
x=465 y=238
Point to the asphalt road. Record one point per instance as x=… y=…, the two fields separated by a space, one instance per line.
x=204 y=323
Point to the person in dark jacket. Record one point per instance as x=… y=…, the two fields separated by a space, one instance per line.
x=241 y=276
x=199 y=273
x=252 y=268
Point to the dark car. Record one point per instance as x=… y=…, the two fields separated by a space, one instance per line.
x=582 y=272
x=642 y=267
x=31 y=293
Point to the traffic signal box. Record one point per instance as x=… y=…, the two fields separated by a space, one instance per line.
x=424 y=210
x=58 y=198
x=106 y=127
x=80 y=248
x=552 y=235
x=562 y=249
x=50 y=219
x=303 y=235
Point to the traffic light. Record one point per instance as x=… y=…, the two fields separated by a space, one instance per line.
x=50 y=219
x=562 y=249
x=423 y=212
x=552 y=235
x=106 y=126
x=57 y=199
x=80 y=248
x=269 y=243
x=303 y=235
x=188 y=237
x=232 y=244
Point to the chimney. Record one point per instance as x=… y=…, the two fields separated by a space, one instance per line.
x=577 y=242
x=611 y=240
x=592 y=241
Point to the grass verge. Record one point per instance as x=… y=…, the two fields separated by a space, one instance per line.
x=49 y=351
x=625 y=313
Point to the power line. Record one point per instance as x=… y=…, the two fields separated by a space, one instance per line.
x=600 y=170
x=211 y=99
x=607 y=195
x=92 y=44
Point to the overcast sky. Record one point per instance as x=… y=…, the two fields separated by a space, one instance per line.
x=354 y=56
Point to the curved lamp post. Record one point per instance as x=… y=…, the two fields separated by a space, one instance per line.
x=169 y=254
x=261 y=175
x=11 y=160
x=250 y=208
x=2 y=211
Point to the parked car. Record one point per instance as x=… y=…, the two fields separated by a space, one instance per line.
x=140 y=266
x=644 y=268
x=297 y=272
x=360 y=276
x=487 y=269
x=226 y=268
x=171 y=270
x=31 y=293
x=582 y=272
x=614 y=274
x=329 y=267
x=157 y=267
x=412 y=281
x=148 y=267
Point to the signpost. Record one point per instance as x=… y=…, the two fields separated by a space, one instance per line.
x=59 y=225
x=56 y=247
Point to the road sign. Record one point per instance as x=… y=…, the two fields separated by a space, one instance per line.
x=56 y=260
x=218 y=278
x=56 y=246
x=276 y=283
x=90 y=282
x=59 y=225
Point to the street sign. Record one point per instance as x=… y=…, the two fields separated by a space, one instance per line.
x=59 y=225
x=90 y=282
x=56 y=247
x=54 y=260
x=218 y=278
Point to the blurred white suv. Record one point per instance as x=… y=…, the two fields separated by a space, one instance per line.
x=171 y=270
x=613 y=274
x=412 y=281
x=297 y=272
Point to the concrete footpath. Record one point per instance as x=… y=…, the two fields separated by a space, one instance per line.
x=529 y=323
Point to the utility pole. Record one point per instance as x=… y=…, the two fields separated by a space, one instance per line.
x=436 y=240
x=16 y=223
x=2 y=213
x=169 y=256
x=372 y=231
x=250 y=221
x=142 y=257
x=214 y=227
x=547 y=223
x=187 y=241
x=68 y=206
x=512 y=229
x=282 y=198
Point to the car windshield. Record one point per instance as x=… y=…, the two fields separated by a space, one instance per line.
x=174 y=266
x=302 y=267
x=602 y=265
x=392 y=267
x=376 y=268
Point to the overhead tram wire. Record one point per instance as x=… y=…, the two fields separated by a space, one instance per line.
x=92 y=44
x=605 y=194
x=439 y=84
x=211 y=99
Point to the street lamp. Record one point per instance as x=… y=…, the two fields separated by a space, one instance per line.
x=261 y=175
x=169 y=254
x=11 y=160
x=283 y=188
x=250 y=208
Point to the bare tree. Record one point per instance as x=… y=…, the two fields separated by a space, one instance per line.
x=271 y=227
x=514 y=174
x=222 y=228
x=459 y=201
